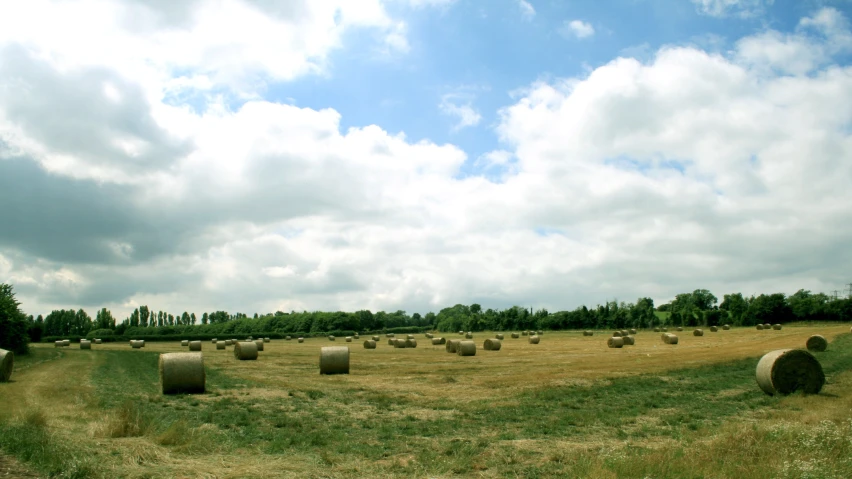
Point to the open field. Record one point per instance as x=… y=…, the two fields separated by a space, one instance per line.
x=567 y=407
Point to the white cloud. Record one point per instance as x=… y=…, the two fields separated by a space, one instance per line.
x=527 y=10
x=740 y=8
x=429 y=3
x=464 y=113
x=577 y=28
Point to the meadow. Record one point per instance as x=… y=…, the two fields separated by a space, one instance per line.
x=567 y=407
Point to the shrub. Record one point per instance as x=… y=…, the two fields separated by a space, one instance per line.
x=13 y=322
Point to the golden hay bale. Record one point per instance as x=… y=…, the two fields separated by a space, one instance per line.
x=98 y=341
x=525 y=333
x=7 y=361
x=759 y=327
x=628 y=340
x=391 y=341
x=437 y=341
x=348 y=339
x=492 y=344
x=466 y=348
x=616 y=334
x=429 y=335
x=266 y=340
x=136 y=344
x=615 y=342
x=375 y=338
x=588 y=333
x=666 y=329
x=245 y=350
x=195 y=345
x=67 y=342
x=214 y=340
x=499 y=336
x=539 y=333
x=713 y=329
x=85 y=344
x=452 y=345
x=816 y=343
x=461 y=332
x=228 y=342
x=409 y=336
x=301 y=340
x=389 y=335
x=369 y=344
x=182 y=373
x=184 y=342
x=679 y=328
x=656 y=330
x=399 y=343
x=410 y=343
x=330 y=337
x=60 y=343
x=625 y=332
x=220 y=345
x=334 y=360
x=776 y=327
x=633 y=331
x=534 y=339
x=288 y=338
x=669 y=338
x=516 y=335
x=726 y=327
x=357 y=336
x=698 y=332
x=259 y=343
x=787 y=370
x=468 y=335
x=767 y=326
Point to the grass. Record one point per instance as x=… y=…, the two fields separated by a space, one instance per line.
x=448 y=416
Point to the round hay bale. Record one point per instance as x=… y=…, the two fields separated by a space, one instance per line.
x=67 y=342
x=525 y=333
x=410 y=343
x=669 y=338
x=468 y=335
x=515 y=335
x=136 y=344
x=679 y=328
x=726 y=327
x=499 y=336
x=461 y=332
x=330 y=337
x=266 y=340
x=369 y=344
x=776 y=327
x=539 y=333
x=698 y=332
x=534 y=339
x=348 y=339
x=85 y=344
x=656 y=330
x=245 y=350
x=7 y=361
x=429 y=336
x=389 y=335
x=492 y=344
x=452 y=346
x=440 y=340
x=633 y=331
x=184 y=342
x=787 y=370
x=666 y=329
x=214 y=340
x=466 y=348
x=713 y=329
x=759 y=327
x=588 y=333
x=816 y=343
x=616 y=334
x=391 y=341
x=767 y=326
x=628 y=340
x=228 y=342
x=141 y=343
x=399 y=343
x=409 y=336
x=615 y=342
x=220 y=345
x=301 y=340
x=98 y=341
x=182 y=373
x=195 y=345
x=60 y=343
x=259 y=343
x=624 y=333
x=375 y=338
x=334 y=360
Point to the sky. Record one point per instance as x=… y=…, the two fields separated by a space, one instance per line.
x=260 y=156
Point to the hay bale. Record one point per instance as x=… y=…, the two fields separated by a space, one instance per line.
x=399 y=343
x=499 y=336
x=726 y=327
x=429 y=336
x=656 y=330
x=7 y=362
x=767 y=326
x=461 y=332
x=615 y=342
x=633 y=331
x=330 y=337
x=525 y=333
x=389 y=335
x=334 y=360
x=259 y=343
x=266 y=340
x=356 y=336
x=85 y=344
x=228 y=342
x=713 y=329
x=539 y=333
x=759 y=327
x=816 y=343
x=369 y=344
x=776 y=327
x=698 y=332
x=67 y=342
x=679 y=328
x=466 y=348
x=468 y=335
x=624 y=333
x=410 y=343
x=666 y=329
x=98 y=341
x=628 y=340
x=588 y=333
x=182 y=373
x=301 y=340
x=245 y=350
x=60 y=343
x=136 y=344
x=787 y=370
x=348 y=339
x=409 y=336
x=391 y=341
x=288 y=338
x=534 y=339
x=452 y=346
x=515 y=335
x=440 y=341
x=616 y=334
x=375 y=338
x=669 y=338
x=214 y=340
x=195 y=345
x=492 y=344
x=220 y=345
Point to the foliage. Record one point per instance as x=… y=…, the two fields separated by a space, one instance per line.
x=13 y=322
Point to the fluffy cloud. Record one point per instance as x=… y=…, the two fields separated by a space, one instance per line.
x=461 y=108
x=527 y=10
x=740 y=8
x=689 y=170
x=577 y=28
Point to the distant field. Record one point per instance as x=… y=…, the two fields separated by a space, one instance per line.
x=567 y=407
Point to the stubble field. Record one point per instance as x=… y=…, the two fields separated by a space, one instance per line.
x=567 y=407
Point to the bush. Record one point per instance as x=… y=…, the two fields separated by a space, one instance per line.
x=13 y=322
x=100 y=333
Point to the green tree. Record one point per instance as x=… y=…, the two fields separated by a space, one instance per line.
x=735 y=305
x=703 y=299
x=13 y=322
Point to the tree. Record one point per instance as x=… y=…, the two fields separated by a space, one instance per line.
x=13 y=322
x=204 y=318
x=735 y=305
x=703 y=299
x=194 y=319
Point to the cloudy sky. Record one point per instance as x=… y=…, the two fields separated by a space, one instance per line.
x=263 y=155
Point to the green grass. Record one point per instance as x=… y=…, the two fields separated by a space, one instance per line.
x=36 y=356
x=30 y=440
